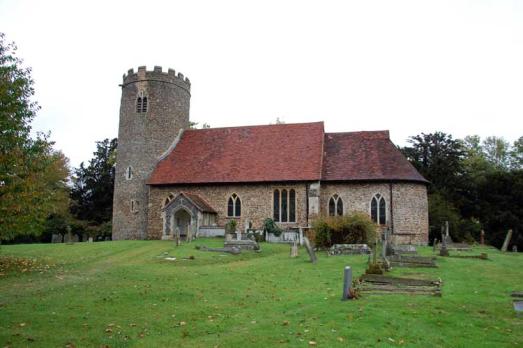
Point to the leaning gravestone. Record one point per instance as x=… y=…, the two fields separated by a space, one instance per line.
x=310 y=250
x=507 y=240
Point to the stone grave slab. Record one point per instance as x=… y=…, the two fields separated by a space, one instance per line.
x=349 y=249
x=412 y=261
x=381 y=284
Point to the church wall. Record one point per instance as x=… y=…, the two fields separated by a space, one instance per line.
x=257 y=203
x=409 y=206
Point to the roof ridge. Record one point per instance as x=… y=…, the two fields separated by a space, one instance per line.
x=257 y=125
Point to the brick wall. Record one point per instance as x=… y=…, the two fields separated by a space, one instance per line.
x=257 y=203
x=409 y=214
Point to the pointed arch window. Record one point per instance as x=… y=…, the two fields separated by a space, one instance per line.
x=234 y=206
x=335 y=206
x=284 y=205
x=141 y=103
x=378 y=209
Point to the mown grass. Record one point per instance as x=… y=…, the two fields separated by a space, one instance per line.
x=123 y=294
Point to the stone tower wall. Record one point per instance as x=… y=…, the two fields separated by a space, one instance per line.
x=143 y=138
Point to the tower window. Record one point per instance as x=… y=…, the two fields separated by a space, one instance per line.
x=129 y=173
x=141 y=103
x=134 y=206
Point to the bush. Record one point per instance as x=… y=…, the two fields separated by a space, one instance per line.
x=270 y=226
x=230 y=226
x=356 y=228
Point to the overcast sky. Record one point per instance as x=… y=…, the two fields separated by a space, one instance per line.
x=407 y=66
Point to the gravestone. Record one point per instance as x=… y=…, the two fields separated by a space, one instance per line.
x=69 y=235
x=177 y=238
x=90 y=240
x=443 y=251
x=435 y=245
x=507 y=241
x=310 y=250
x=514 y=248
x=347 y=282
x=294 y=249
x=482 y=237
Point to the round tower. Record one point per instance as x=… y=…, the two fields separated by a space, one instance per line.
x=153 y=110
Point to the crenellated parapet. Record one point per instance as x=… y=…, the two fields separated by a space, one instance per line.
x=157 y=74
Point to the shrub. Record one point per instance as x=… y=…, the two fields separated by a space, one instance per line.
x=348 y=229
x=270 y=226
x=230 y=226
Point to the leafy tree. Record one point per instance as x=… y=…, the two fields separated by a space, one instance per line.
x=438 y=157
x=501 y=200
x=93 y=186
x=497 y=151
x=32 y=175
x=516 y=154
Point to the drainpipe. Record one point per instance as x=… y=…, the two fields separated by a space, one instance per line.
x=307 y=203
x=391 y=210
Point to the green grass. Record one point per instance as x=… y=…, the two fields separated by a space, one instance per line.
x=121 y=294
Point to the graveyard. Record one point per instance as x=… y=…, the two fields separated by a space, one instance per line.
x=154 y=293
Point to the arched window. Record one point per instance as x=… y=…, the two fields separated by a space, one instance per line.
x=141 y=103
x=129 y=173
x=284 y=205
x=335 y=206
x=276 y=206
x=234 y=206
x=144 y=104
x=378 y=209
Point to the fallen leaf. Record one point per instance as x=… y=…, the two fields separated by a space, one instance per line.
x=312 y=343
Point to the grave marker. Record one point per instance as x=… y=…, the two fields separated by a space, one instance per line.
x=347 y=282
x=507 y=240
x=310 y=250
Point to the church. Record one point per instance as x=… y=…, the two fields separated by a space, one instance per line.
x=170 y=176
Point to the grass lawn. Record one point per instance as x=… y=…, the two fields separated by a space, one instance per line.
x=122 y=294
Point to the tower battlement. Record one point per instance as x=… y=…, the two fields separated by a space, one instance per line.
x=157 y=74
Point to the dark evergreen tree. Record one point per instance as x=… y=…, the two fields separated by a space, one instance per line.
x=93 y=186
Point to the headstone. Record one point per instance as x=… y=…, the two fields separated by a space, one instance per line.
x=514 y=248
x=310 y=250
x=238 y=235
x=228 y=237
x=90 y=240
x=177 y=238
x=69 y=235
x=482 y=237
x=347 y=282
x=507 y=240
x=435 y=245
x=443 y=251
x=294 y=249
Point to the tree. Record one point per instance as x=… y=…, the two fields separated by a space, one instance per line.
x=501 y=201
x=93 y=186
x=32 y=175
x=497 y=151
x=439 y=158
x=516 y=154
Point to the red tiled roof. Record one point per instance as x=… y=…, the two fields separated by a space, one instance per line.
x=365 y=156
x=282 y=152
x=199 y=202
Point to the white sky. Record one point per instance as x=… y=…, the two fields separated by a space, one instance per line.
x=407 y=66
